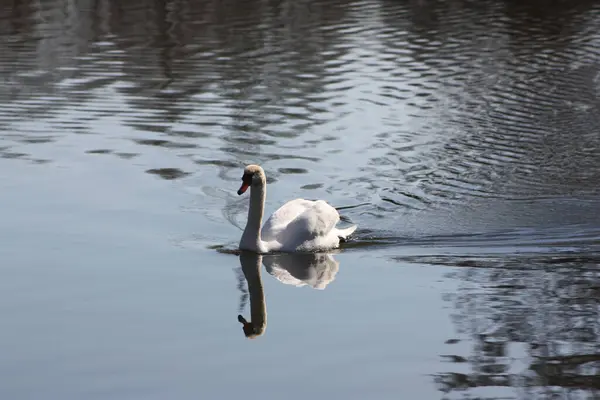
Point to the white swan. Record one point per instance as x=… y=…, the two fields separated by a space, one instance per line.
x=298 y=225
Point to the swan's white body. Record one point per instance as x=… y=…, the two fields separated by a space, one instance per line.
x=303 y=225
x=298 y=225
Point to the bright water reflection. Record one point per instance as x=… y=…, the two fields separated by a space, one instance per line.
x=461 y=137
x=313 y=269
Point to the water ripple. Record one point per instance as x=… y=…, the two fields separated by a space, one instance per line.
x=405 y=107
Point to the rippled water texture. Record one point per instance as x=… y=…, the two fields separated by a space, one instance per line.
x=463 y=137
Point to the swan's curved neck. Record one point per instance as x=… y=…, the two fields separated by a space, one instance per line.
x=251 y=237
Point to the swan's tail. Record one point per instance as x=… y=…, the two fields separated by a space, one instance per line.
x=345 y=232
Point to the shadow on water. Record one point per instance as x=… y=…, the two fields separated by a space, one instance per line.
x=316 y=270
x=532 y=323
x=531 y=320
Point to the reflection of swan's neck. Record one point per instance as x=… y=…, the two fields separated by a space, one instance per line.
x=251 y=236
x=258 y=307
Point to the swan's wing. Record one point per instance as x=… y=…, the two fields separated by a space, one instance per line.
x=317 y=221
x=281 y=218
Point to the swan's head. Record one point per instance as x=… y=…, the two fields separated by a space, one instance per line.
x=250 y=331
x=254 y=175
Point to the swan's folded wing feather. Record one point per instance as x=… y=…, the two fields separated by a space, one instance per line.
x=281 y=218
x=315 y=222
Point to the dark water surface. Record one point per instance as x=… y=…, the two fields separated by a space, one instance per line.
x=463 y=137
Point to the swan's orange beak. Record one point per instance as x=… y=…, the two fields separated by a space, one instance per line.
x=246 y=182
x=243 y=188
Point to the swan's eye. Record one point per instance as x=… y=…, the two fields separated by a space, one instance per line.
x=247 y=178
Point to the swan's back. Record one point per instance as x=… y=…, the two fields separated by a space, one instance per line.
x=282 y=217
x=302 y=224
x=317 y=220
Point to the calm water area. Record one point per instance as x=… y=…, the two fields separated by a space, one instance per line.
x=463 y=137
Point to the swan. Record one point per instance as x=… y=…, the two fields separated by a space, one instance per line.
x=298 y=225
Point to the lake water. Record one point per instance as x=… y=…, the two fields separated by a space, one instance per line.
x=463 y=137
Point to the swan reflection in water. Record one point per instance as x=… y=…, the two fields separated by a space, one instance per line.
x=316 y=270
